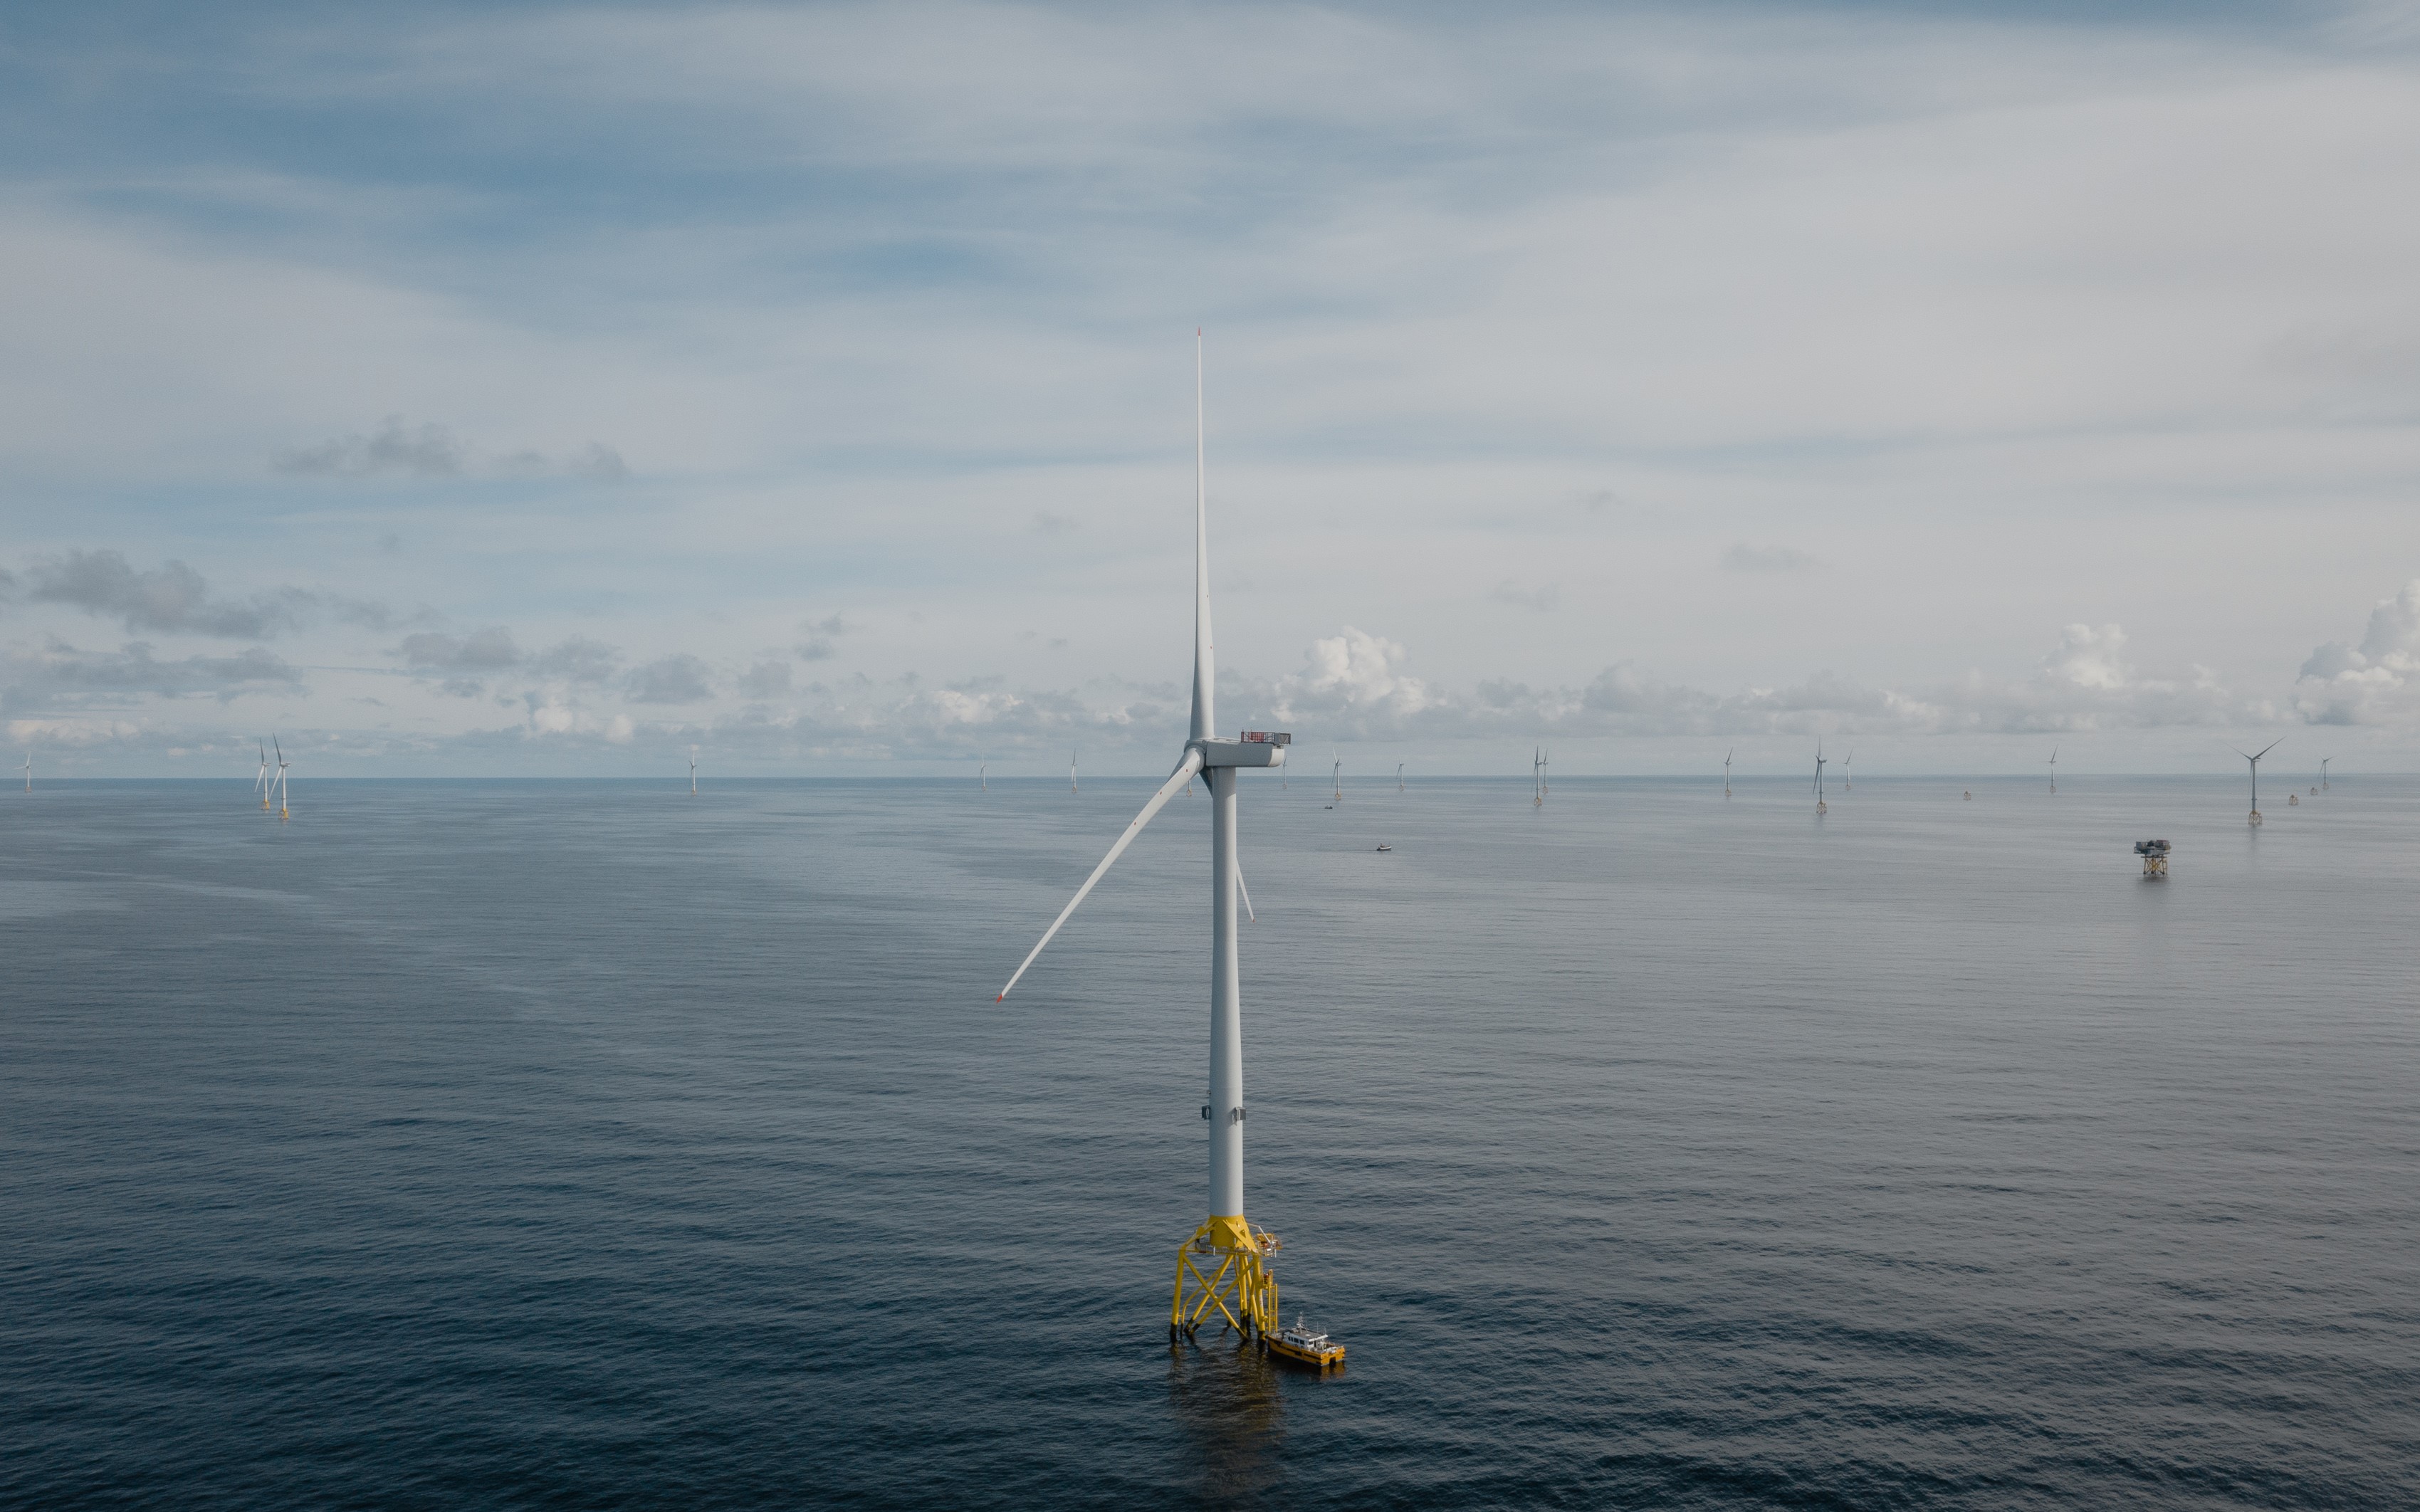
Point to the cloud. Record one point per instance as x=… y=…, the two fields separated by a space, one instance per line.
x=488 y=650
x=432 y=451
x=170 y=598
x=1355 y=679
x=578 y=659
x=676 y=679
x=429 y=452
x=599 y=463
x=1743 y=556
x=1357 y=686
x=63 y=672
x=2089 y=658
x=822 y=634
x=766 y=679
x=1539 y=597
x=2377 y=682
x=366 y=613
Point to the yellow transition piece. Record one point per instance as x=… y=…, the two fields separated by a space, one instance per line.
x=1224 y=1266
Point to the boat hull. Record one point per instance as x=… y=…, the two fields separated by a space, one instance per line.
x=1322 y=1359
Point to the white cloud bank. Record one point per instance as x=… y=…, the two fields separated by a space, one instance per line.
x=573 y=706
x=2376 y=683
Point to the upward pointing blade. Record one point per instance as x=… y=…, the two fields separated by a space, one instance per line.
x=1176 y=783
x=1205 y=667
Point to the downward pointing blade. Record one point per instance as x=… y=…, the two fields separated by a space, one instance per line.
x=1176 y=783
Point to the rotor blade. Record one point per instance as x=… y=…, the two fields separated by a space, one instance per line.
x=2267 y=749
x=1205 y=672
x=1248 y=895
x=1177 y=782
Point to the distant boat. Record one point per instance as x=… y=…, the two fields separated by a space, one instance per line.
x=1386 y=847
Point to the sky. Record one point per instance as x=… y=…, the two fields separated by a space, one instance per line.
x=498 y=389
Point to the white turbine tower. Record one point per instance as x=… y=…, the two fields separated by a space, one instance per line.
x=1820 y=805
x=1399 y=777
x=1850 y=767
x=692 y=771
x=29 y=771
x=1727 y=772
x=260 y=784
x=1336 y=775
x=1071 y=771
x=2323 y=770
x=1537 y=776
x=282 y=764
x=2253 y=757
x=1223 y=1269
x=982 y=772
x=2053 y=769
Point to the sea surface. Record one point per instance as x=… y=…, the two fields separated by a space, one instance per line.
x=593 y=1145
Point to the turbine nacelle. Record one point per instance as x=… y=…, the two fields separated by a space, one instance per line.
x=1259 y=747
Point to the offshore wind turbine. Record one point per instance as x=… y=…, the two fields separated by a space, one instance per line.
x=1071 y=770
x=1537 y=776
x=29 y=771
x=2053 y=769
x=1820 y=805
x=1727 y=772
x=982 y=772
x=2253 y=757
x=262 y=782
x=1399 y=777
x=1224 y=1267
x=1849 y=766
x=282 y=764
x=2323 y=770
x=1336 y=776
x=692 y=771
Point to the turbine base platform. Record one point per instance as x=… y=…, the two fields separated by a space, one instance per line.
x=1222 y=1272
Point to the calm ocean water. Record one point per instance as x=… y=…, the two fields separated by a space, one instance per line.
x=592 y=1145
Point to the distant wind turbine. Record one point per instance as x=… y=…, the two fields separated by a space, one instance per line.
x=1727 y=772
x=1537 y=776
x=1336 y=777
x=1850 y=767
x=2053 y=769
x=1820 y=805
x=1223 y=1269
x=2323 y=771
x=1399 y=777
x=282 y=764
x=1071 y=771
x=29 y=771
x=692 y=771
x=262 y=782
x=982 y=772
x=2253 y=757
